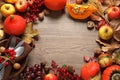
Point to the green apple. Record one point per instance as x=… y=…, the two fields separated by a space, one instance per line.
x=105 y=32
x=7 y=9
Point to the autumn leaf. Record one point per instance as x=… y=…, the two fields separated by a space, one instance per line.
x=108 y=47
x=29 y=33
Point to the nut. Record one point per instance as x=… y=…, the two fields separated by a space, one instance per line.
x=97 y=51
x=2 y=49
x=90 y=24
x=2 y=34
x=78 y=1
x=41 y=16
x=16 y=66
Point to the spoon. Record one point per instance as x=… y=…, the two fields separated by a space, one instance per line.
x=19 y=51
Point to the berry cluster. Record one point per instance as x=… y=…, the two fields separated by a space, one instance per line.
x=38 y=72
x=65 y=72
x=32 y=73
x=34 y=9
x=9 y=53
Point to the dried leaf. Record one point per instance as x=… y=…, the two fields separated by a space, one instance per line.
x=33 y=34
x=116 y=35
x=102 y=43
x=97 y=77
x=115 y=44
x=95 y=17
x=29 y=33
x=29 y=28
x=109 y=47
x=100 y=9
x=27 y=40
x=115 y=23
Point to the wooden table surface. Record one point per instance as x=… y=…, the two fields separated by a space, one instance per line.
x=63 y=40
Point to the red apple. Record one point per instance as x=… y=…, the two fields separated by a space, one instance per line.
x=50 y=76
x=113 y=12
x=21 y=5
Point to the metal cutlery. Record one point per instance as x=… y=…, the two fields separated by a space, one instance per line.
x=19 y=44
x=12 y=42
x=19 y=51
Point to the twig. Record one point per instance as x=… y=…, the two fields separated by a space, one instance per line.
x=100 y=10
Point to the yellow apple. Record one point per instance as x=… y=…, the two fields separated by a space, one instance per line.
x=10 y=1
x=7 y=9
x=105 y=32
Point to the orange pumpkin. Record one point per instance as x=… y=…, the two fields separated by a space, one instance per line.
x=111 y=73
x=14 y=25
x=80 y=11
x=55 y=5
x=89 y=70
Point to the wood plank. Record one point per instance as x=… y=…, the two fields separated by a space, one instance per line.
x=64 y=40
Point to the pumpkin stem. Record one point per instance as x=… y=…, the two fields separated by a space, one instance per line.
x=11 y=17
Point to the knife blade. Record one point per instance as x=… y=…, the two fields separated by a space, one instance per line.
x=19 y=44
x=12 y=42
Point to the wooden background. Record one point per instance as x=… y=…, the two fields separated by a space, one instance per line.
x=64 y=40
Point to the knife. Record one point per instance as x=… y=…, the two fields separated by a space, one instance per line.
x=19 y=44
x=12 y=42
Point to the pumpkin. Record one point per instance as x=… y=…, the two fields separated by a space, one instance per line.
x=80 y=11
x=105 y=59
x=14 y=25
x=89 y=70
x=111 y=73
x=55 y=5
x=10 y=1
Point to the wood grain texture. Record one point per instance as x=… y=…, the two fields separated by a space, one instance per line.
x=64 y=40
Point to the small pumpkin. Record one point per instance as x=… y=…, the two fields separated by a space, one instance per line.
x=111 y=73
x=14 y=25
x=89 y=70
x=105 y=59
x=55 y=5
x=77 y=11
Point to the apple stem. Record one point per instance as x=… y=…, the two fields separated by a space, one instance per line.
x=11 y=17
x=106 y=30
